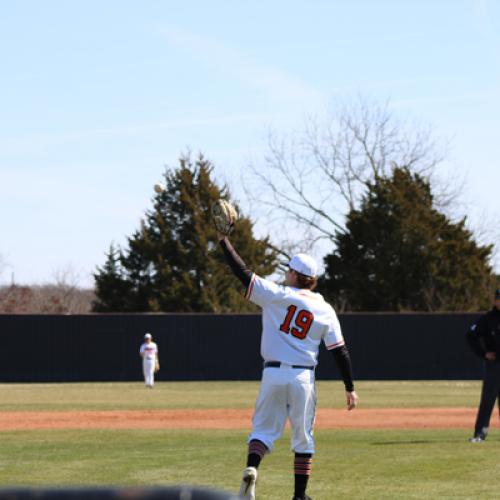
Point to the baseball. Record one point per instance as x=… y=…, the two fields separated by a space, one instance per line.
x=159 y=187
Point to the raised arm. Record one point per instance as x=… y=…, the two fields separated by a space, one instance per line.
x=235 y=262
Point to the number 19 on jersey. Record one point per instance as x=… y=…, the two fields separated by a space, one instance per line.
x=297 y=323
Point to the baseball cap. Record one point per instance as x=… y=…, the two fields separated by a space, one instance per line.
x=304 y=264
x=148 y=336
x=497 y=293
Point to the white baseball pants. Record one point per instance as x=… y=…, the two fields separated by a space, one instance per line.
x=286 y=392
x=148 y=367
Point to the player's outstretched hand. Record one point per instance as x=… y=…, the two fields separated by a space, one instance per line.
x=352 y=400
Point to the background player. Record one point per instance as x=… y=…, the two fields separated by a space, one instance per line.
x=150 y=359
x=295 y=320
x=484 y=339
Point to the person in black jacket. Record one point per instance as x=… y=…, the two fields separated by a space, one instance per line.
x=484 y=339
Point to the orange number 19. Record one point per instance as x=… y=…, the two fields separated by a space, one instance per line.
x=302 y=322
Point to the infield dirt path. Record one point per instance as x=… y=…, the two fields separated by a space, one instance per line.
x=376 y=418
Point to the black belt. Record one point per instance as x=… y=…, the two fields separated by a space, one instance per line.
x=277 y=364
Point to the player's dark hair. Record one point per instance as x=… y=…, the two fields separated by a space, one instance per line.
x=304 y=281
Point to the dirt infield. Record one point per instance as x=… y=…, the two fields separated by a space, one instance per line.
x=382 y=418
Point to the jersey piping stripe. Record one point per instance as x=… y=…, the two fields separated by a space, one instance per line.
x=248 y=293
x=337 y=344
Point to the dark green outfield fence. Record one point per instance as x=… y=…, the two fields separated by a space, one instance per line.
x=46 y=348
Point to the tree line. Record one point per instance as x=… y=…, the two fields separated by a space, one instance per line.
x=172 y=261
x=54 y=298
x=361 y=183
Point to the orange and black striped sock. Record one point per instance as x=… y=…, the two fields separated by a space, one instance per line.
x=256 y=451
x=302 y=468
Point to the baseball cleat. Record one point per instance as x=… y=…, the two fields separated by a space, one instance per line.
x=479 y=436
x=247 y=488
x=477 y=439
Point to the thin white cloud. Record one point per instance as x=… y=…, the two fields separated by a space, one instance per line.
x=30 y=143
x=486 y=96
x=266 y=78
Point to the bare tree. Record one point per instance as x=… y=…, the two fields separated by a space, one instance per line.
x=314 y=176
x=62 y=296
x=15 y=299
x=3 y=265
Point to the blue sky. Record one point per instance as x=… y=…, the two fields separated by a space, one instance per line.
x=97 y=97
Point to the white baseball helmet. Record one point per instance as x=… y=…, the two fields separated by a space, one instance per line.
x=148 y=336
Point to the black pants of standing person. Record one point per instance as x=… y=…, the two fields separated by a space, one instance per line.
x=490 y=392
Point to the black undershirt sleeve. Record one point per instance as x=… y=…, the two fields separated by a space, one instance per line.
x=343 y=360
x=236 y=263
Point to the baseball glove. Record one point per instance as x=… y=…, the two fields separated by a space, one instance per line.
x=224 y=216
x=157 y=365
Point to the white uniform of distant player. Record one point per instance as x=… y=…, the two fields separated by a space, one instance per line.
x=149 y=353
x=294 y=323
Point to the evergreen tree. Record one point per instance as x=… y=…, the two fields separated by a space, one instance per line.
x=110 y=283
x=399 y=253
x=173 y=261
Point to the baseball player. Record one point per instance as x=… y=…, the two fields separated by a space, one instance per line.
x=484 y=339
x=150 y=360
x=295 y=320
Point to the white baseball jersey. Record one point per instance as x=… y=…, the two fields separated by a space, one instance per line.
x=294 y=322
x=150 y=350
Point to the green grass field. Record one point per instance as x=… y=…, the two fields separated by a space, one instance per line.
x=394 y=464
x=133 y=396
